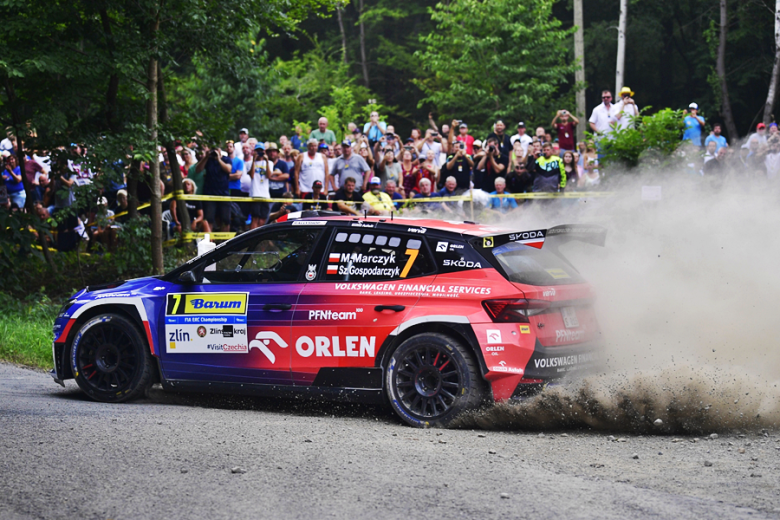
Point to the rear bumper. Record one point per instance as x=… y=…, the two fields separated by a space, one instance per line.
x=551 y=363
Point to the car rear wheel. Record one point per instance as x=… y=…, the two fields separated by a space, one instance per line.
x=110 y=359
x=431 y=379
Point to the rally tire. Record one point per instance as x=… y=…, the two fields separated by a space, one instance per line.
x=110 y=359
x=431 y=378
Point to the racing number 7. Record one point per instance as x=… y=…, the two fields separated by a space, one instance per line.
x=177 y=301
x=410 y=262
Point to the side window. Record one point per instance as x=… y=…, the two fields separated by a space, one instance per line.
x=278 y=256
x=370 y=254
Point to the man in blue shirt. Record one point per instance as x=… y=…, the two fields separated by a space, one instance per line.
x=693 y=125
x=216 y=182
x=716 y=137
x=501 y=204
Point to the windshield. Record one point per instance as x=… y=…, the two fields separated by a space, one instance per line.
x=528 y=265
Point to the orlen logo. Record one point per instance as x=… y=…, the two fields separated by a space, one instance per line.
x=331 y=346
x=263 y=339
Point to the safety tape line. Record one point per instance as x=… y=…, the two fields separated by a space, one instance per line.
x=465 y=198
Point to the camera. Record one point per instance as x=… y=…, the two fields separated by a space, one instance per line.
x=435 y=134
x=407 y=148
x=462 y=146
x=459 y=121
x=564 y=112
x=213 y=154
x=492 y=148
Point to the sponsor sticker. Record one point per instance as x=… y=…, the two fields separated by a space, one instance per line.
x=558 y=273
x=188 y=338
x=524 y=329
x=309 y=223
x=207 y=303
x=311 y=273
x=494 y=336
x=487 y=242
x=441 y=247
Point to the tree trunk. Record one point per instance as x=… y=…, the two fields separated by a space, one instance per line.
x=621 y=48
x=579 y=74
x=363 y=61
x=132 y=189
x=170 y=148
x=343 y=35
x=113 y=80
x=720 y=69
x=769 y=107
x=151 y=122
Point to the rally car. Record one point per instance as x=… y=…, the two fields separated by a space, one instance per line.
x=432 y=317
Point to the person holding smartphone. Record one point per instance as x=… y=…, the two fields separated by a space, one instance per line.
x=566 y=129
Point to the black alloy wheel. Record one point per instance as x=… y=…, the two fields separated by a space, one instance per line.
x=110 y=359
x=431 y=378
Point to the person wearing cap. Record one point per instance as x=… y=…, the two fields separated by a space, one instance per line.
x=503 y=140
x=349 y=166
x=309 y=167
x=462 y=137
x=101 y=229
x=773 y=130
x=566 y=130
x=694 y=124
x=759 y=136
x=624 y=109
x=319 y=201
x=521 y=136
x=322 y=133
x=716 y=137
x=243 y=136
x=375 y=201
x=260 y=186
x=348 y=199
x=279 y=172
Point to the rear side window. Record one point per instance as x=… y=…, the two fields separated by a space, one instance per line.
x=376 y=255
x=528 y=265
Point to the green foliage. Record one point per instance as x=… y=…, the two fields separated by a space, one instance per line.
x=17 y=246
x=652 y=140
x=26 y=329
x=494 y=59
x=134 y=256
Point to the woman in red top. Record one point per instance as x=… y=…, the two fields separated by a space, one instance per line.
x=428 y=170
x=408 y=174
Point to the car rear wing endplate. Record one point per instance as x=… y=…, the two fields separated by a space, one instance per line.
x=588 y=233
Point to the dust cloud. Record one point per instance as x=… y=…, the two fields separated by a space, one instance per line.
x=688 y=294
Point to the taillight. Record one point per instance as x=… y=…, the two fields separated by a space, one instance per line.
x=514 y=310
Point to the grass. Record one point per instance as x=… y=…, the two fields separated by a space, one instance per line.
x=26 y=330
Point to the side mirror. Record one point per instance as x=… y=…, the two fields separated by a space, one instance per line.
x=188 y=277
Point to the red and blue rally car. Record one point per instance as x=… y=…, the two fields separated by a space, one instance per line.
x=435 y=317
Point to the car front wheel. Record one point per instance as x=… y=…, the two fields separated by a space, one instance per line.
x=110 y=359
x=431 y=379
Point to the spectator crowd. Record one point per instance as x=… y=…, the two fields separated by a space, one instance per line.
x=371 y=170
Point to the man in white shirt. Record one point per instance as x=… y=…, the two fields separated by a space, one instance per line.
x=601 y=120
x=429 y=143
x=309 y=167
x=260 y=186
x=521 y=136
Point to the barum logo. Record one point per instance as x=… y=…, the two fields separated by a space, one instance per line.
x=198 y=303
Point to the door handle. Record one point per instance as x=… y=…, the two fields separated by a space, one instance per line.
x=394 y=308
x=277 y=307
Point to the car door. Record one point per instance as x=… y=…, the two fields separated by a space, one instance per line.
x=367 y=283
x=234 y=325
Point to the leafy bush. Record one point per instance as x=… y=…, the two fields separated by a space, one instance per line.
x=652 y=141
x=26 y=329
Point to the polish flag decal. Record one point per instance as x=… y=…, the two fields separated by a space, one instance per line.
x=334 y=257
x=333 y=269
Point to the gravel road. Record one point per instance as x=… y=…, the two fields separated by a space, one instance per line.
x=181 y=456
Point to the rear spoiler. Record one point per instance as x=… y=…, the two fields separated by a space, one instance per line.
x=587 y=233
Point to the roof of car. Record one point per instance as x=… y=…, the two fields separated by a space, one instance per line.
x=466 y=228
